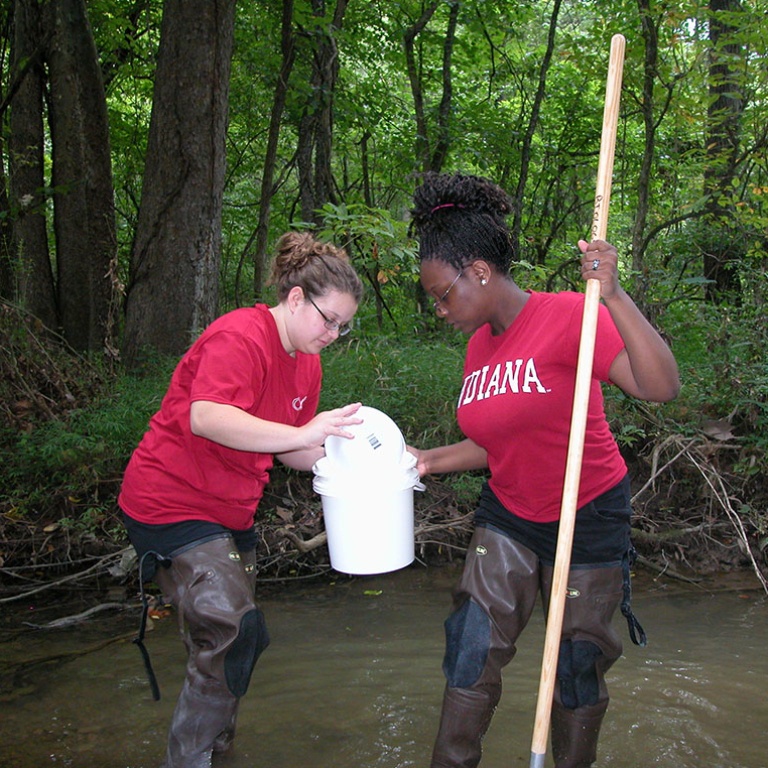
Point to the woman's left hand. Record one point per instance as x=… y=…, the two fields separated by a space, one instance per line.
x=646 y=367
x=599 y=261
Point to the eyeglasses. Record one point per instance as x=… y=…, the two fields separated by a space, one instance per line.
x=332 y=325
x=437 y=303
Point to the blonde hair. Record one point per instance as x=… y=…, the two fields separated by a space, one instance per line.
x=314 y=266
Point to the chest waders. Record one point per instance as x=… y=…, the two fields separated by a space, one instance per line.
x=211 y=585
x=493 y=603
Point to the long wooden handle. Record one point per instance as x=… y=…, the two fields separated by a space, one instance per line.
x=579 y=414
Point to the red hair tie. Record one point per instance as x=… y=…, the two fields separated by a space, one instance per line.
x=446 y=205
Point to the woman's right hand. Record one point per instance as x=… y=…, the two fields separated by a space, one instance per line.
x=456 y=457
x=329 y=423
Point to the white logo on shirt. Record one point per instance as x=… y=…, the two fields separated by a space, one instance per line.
x=298 y=403
x=504 y=378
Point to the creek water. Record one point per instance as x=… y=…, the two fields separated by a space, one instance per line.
x=352 y=678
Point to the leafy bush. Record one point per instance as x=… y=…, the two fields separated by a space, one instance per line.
x=70 y=465
x=416 y=382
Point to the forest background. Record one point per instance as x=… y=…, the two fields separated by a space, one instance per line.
x=153 y=152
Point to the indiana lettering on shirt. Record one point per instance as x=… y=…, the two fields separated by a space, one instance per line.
x=512 y=376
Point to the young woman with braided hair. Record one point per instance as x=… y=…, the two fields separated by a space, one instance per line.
x=246 y=391
x=514 y=409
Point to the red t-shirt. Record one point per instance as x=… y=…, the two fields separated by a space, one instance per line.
x=239 y=360
x=517 y=400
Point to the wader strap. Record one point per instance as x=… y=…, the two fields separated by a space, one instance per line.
x=139 y=639
x=636 y=632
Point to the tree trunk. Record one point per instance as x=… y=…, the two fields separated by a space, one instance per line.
x=28 y=265
x=423 y=153
x=647 y=108
x=7 y=260
x=84 y=220
x=288 y=48
x=533 y=122
x=315 y=144
x=443 y=144
x=724 y=251
x=173 y=290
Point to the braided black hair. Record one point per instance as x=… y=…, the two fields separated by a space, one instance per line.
x=459 y=218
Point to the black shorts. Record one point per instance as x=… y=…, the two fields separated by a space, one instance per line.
x=161 y=541
x=601 y=535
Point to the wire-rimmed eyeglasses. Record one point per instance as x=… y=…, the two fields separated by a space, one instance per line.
x=437 y=303
x=332 y=325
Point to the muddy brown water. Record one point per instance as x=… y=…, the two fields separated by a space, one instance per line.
x=352 y=680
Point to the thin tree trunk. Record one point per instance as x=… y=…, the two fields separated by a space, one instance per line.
x=29 y=264
x=288 y=48
x=7 y=259
x=315 y=145
x=423 y=153
x=84 y=220
x=446 y=102
x=533 y=122
x=328 y=73
x=723 y=253
x=647 y=108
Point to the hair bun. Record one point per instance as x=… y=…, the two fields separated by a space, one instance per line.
x=313 y=265
x=442 y=194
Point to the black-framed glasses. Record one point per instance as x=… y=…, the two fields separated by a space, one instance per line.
x=332 y=325
x=438 y=302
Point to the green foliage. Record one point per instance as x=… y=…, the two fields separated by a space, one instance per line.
x=382 y=252
x=71 y=466
x=466 y=487
x=415 y=381
x=721 y=354
x=495 y=63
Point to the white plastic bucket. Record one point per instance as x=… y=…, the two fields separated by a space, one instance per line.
x=369 y=525
x=366 y=486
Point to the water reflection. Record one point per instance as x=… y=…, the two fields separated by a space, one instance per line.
x=353 y=678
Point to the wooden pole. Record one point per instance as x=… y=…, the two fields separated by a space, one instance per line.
x=579 y=414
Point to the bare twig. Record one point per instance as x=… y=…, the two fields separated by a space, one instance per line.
x=696 y=451
x=655 y=470
x=78 y=618
x=715 y=482
x=99 y=567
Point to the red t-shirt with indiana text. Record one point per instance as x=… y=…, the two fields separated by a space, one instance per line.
x=238 y=360
x=517 y=400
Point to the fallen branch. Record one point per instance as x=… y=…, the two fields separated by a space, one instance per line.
x=304 y=546
x=665 y=570
x=100 y=566
x=78 y=618
x=670 y=534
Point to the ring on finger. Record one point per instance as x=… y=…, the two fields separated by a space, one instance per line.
x=596 y=264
